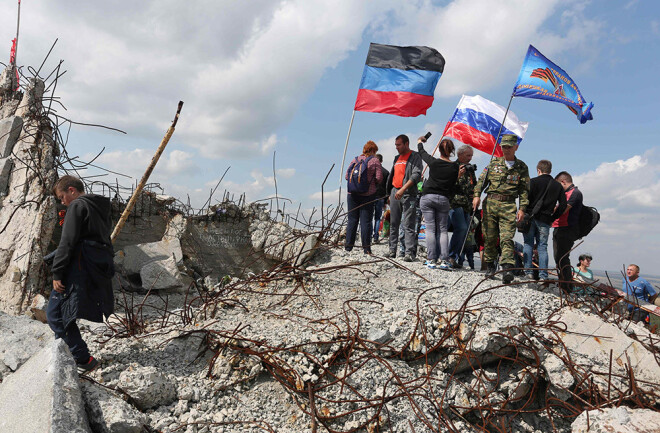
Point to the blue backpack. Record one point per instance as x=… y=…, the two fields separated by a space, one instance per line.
x=357 y=180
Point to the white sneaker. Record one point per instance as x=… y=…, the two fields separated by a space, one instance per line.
x=444 y=265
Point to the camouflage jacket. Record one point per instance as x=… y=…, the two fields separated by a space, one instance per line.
x=464 y=191
x=512 y=181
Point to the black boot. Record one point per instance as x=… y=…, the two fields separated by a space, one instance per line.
x=507 y=278
x=490 y=270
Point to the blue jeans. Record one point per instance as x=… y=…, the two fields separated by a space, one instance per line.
x=539 y=233
x=360 y=208
x=435 y=208
x=70 y=335
x=378 y=213
x=459 y=220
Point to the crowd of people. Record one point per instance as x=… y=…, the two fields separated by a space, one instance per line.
x=448 y=199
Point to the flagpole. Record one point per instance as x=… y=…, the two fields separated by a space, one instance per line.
x=343 y=159
x=467 y=233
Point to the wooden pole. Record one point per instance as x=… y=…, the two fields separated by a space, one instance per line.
x=145 y=176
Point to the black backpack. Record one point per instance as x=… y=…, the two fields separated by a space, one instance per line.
x=589 y=218
x=357 y=180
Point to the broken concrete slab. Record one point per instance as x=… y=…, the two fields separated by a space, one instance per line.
x=108 y=413
x=280 y=242
x=133 y=257
x=20 y=338
x=148 y=386
x=161 y=275
x=6 y=165
x=44 y=395
x=617 y=419
x=10 y=130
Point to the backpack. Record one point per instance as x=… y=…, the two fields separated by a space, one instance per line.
x=357 y=180
x=589 y=218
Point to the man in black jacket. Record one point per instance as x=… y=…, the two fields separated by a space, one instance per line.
x=543 y=187
x=82 y=267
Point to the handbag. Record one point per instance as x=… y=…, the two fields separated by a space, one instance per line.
x=526 y=222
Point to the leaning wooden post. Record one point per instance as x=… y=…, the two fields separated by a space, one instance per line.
x=145 y=176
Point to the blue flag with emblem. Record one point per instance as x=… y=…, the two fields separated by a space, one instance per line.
x=539 y=78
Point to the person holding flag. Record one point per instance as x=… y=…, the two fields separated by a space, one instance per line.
x=504 y=179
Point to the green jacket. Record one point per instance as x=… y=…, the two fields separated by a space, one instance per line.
x=512 y=181
x=464 y=192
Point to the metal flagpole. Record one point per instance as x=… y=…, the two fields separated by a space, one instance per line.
x=18 y=24
x=467 y=233
x=343 y=159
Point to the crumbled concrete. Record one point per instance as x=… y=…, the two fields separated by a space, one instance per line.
x=44 y=395
x=108 y=413
x=134 y=257
x=147 y=386
x=619 y=420
x=38 y=308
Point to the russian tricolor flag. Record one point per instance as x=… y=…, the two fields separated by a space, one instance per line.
x=399 y=80
x=477 y=121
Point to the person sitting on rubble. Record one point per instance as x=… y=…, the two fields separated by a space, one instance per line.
x=581 y=272
x=636 y=286
x=82 y=267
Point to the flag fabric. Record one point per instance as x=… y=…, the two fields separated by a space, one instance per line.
x=539 y=78
x=399 y=80
x=477 y=121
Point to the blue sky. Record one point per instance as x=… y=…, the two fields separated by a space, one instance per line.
x=283 y=76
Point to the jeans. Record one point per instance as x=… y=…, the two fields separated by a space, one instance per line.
x=360 y=208
x=435 y=208
x=378 y=213
x=539 y=233
x=70 y=335
x=402 y=214
x=459 y=221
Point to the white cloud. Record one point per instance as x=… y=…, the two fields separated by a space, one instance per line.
x=134 y=162
x=285 y=173
x=484 y=41
x=328 y=196
x=625 y=193
x=243 y=72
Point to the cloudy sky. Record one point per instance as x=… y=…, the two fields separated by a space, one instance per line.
x=264 y=76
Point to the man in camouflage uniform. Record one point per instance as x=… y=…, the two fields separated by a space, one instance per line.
x=504 y=179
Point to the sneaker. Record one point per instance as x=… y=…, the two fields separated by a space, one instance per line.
x=88 y=366
x=452 y=262
x=445 y=265
x=390 y=255
x=407 y=258
x=431 y=265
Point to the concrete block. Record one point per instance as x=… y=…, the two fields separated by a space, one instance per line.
x=10 y=130
x=20 y=338
x=38 y=308
x=617 y=419
x=44 y=395
x=161 y=275
x=136 y=256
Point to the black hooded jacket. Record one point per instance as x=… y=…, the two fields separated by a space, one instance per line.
x=84 y=259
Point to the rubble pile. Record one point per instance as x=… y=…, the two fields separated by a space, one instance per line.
x=351 y=342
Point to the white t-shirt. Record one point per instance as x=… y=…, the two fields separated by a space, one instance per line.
x=509 y=164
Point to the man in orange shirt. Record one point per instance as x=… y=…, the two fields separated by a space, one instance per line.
x=402 y=190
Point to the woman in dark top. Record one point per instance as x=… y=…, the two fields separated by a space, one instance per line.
x=437 y=190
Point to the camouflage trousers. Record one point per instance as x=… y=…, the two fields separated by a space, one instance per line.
x=499 y=222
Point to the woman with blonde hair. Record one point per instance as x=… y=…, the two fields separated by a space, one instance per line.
x=361 y=195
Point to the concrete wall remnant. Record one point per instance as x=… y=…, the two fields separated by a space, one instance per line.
x=27 y=207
